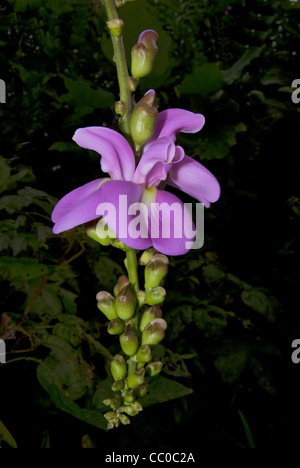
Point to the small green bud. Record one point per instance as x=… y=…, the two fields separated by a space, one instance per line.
x=129 y=341
x=116 y=27
x=129 y=397
x=128 y=409
x=144 y=354
x=118 y=385
x=106 y=303
x=156 y=271
x=134 y=380
x=120 y=108
x=142 y=389
x=92 y=233
x=126 y=302
x=116 y=326
x=122 y=282
x=124 y=419
x=154 y=368
x=141 y=297
x=137 y=406
x=133 y=84
x=115 y=402
x=102 y=233
x=150 y=314
x=107 y=402
x=143 y=119
x=155 y=296
x=147 y=255
x=110 y=425
x=154 y=332
x=143 y=54
x=110 y=415
x=118 y=367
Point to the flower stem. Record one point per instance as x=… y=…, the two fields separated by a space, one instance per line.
x=122 y=70
x=132 y=268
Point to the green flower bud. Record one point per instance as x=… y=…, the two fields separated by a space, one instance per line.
x=137 y=406
x=147 y=255
x=155 y=296
x=106 y=303
x=129 y=410
x=129 y=397
x=126 y=302
x=124 y=419
x=143 y=119
x=92 y=233
x=122 y=282
x=142 y=389
x=116 y=326
x=154 y=332
x=154 y=368
x=110 y=425
x=143 y=54
x=120 y=108
x=118 y=385
x=156 y=271
x=133 y=84
x=110 y=415
x=102 y=232
x=107 y=402
x=136 y=379
x=116 y=27
x=144 y=354
x=150 y=314
x=129 y=341
x=141 y=297
x=118 y=367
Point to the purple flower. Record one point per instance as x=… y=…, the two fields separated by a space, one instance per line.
x=162 y=163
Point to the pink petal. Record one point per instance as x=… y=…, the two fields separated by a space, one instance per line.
x=168 y=226
x=77 y=207
x=173 y=121
x=117 y=156
x=191 y=177
x=121 y=195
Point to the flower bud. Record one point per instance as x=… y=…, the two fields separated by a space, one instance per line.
x=143 y=119
x=126 y=302
x=154 y=368
x=120 y=108
x=124 y=419
x=142 y=389
x=147 y=255
x=118 y=385
x=122 y=282
x=129 y=341
x=154 y=332
x=106 y=303
x=143 y=54
x=155 y=296
x=110 y=415
x=115 y=402
x=118 y=367
x=150 y=314
x=155 y=271
x=136 y=379
x=129 y=410
x=129 y=397
x=141 y=297
x=105 y=241
x=116 y=326
x=137 y=406
x=144 y=354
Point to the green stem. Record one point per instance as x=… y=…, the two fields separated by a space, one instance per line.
x=122 y=70
x=132 y=268
x=131 y=367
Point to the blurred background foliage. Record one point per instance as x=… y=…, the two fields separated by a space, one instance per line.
x=231 y=306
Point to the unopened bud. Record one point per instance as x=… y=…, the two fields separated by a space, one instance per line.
x=155 y=296
x=154 y=332
x=129 y=341
x=93 y=234
x=136 y=379
x=118 y=367
x=115 y=402
x=110 y=415
x=147 y=255
x=116 y=326
x=133 y=84
x=120 y=108
x=142 y=389
x=150 y=314
x=137 y=406
x=129 y=397
x=141 y=297
x=143 y=119
x=154 y=368
x=124 y=419
x=156 y=271
x=143 y=54
x=126 y=302
x=118 y=385
x=129 y=410
x=122 y=282
x=106 y=303
x=144 y=354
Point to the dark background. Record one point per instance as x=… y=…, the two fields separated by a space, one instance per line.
x=232 y=307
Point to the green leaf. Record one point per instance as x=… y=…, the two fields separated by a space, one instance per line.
x=232 y=359
x=205 y=79
x=262 y=302
x=234 y=72
x=23 y=269
x=82 y=92
x=48 y=303
x=6 y=436
x=162 y=389
x=247 y=430
x=211 y=320
x=4 y=171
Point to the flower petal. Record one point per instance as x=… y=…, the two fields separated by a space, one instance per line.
x=156 y=162
x=170 y=220
x=77 y=207
x=117 y=156
x=173 y=121
x=195 y=180
x=119 y=197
